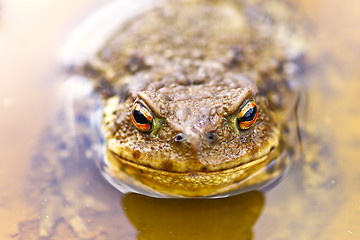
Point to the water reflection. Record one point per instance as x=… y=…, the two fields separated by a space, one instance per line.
x=163 y=219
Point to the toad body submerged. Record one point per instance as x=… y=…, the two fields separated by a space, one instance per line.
x=197 y=99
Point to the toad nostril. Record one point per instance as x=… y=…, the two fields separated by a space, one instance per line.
x=211 y=136
x=179 y=137
x=272 y=148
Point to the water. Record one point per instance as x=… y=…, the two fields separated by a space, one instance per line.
x=30 y=36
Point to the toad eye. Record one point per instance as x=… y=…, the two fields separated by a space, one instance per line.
x=142 y=118
x=247 y=116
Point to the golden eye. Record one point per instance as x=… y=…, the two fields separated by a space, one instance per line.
x=247 y=116
x=142 y=118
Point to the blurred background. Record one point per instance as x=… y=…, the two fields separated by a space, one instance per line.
x=31 y=34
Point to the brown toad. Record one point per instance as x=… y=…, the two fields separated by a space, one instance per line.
x=198 y=101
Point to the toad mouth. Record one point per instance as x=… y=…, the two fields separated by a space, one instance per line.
x=241 y=167
x=191 y=183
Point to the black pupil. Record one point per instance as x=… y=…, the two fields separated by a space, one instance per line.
x=249 y=115
x=139 y=117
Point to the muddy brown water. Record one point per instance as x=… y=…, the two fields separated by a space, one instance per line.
x=31 y=34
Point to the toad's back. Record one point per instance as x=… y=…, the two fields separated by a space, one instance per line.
x=196 y=98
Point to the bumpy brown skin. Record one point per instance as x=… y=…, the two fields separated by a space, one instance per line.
x=194 y=65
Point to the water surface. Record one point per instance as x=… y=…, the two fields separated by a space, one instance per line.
x=31 y=33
